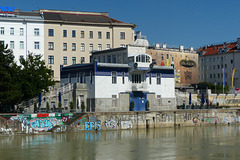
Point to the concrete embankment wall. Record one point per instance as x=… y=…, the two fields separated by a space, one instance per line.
x=57 y=122
x=134 y=120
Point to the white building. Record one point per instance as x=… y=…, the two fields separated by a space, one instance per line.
x=23 y=32
x=115 y=77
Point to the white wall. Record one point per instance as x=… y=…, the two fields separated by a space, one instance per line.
x=28 y=37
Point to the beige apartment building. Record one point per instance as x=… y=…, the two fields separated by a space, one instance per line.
x=70 y=36
x=185 y=62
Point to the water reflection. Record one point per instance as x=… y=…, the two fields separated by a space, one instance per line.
x=208 y=142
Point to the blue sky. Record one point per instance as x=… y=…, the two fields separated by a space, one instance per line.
x=176 y=22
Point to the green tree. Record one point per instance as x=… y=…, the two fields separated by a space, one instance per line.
x=10 y=88
x=35 y=76
x=35 y=107
x=71 y=105
x=147 y=105
x=83 y=106
x=60 y=106
x=132 y=104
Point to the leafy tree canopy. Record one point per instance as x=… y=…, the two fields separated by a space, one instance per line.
x=23 y=82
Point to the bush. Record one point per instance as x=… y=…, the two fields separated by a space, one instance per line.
x=132 y=104
x=35 y=107
x=60 y=106
x=82 y=106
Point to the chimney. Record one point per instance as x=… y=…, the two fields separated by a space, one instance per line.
x=181 y=48
x=157 y=46
x=164 y=45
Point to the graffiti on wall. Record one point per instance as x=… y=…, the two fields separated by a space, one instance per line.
x=111 y=124
x=42 y=124
x=126 y=124
x=92 y=126
x=211 y=120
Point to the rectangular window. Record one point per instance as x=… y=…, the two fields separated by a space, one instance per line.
x=90 y=34
x=114 y=100
x=50 y=32
x=225 y=66
x=36 y=45
x=50 y=45
x=150 y=78
x=136 y=78
x=64 y=60
x=64 y=46
x=82 y=47
x=82 y=60
x=73 y=46
x=90 y=47
x=11 y=31
x=64 y=33
x=50 y=59
x=99 y=35
x=21 y=32
x=122 y=35
x=73 y=33
x=82 y=34
x=21 y=45
x=114 y=59
x=20 y=57
x=2 y=30
x=107 y=35
x=158 y=78
x=99 y=47
x=36 y=31
x=108 y=46
x=114 y=77
x=73 y=60
x=123 y=77
x=11 y=44
x=109 y=59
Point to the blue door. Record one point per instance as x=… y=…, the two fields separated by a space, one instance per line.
x=139 y=99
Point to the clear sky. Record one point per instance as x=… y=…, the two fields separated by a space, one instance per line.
x=176 y=22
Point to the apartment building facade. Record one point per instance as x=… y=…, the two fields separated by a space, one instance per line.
x=70 y=37
x=23 y=32
x=217 y=62
x=185 y=62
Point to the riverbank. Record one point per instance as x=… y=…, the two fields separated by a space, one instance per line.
x=69 y=122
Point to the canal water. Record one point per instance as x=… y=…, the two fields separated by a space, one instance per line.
x=181 y=143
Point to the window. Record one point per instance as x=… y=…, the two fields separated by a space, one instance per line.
x=50 y=32
x=21 y=45
x=11 y=44
x=64 y=60
x=50 y=59
x=114 y=100
x=21 y=32
x=2 y=30
x=122 y=45
x=123 y=77
x=114 y=59
x=73 y=33
x=107 y=35
x=225 y=65
x=136 y=78
x=158 y=78
x=90 y=47
x=218 y=75
x=73 y=46
x=82 y=60
x=150 y=78
x=82 y=47
x=11 y=31
x=73 y=60
x=36 y=45
x=99 y=47
x=64 y=46
x=64 y=33
x=114 y=77
x=109 y=60
x=20 y=57
x=108 y=46
x=50 y=45
x=36 y=31
x=82 y=34
x=231 y=61
x=122 y=35
x=90 y=34
x=99 y=35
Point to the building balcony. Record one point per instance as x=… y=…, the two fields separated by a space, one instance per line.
x=139 y=86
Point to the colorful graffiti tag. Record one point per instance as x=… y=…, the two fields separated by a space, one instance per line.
x=41 y=124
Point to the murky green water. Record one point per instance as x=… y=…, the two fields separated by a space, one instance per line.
x=222 y=142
